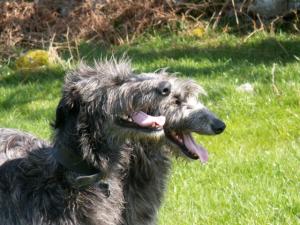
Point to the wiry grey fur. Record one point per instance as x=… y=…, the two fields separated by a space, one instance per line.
x=35 y=189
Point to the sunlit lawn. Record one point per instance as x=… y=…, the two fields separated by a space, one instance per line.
x=253 y=175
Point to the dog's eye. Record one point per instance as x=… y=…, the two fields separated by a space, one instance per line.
x=177 y=102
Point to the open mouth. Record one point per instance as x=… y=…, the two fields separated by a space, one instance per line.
x=142 y=122
x=188 y=145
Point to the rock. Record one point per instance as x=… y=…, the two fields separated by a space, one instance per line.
x=245 y=88
x=268 y=8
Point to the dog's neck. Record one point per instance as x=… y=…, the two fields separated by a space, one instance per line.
x=87 y=174
x=72 y=161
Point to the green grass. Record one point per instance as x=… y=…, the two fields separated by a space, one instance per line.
x=253 y=175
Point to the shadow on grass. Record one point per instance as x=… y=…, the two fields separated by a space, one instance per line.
x=44 y=76
x=232 y=58
x=227 y=56
x=21 y=88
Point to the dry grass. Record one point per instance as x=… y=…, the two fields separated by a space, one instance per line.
x=35 y=23
x=63 y=24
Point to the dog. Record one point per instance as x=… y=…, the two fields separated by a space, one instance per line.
x=109 y=160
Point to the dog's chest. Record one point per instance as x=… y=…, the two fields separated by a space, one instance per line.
x=144 y=187
x=94 y=206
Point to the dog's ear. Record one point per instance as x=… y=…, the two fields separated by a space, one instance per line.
x=67 y=109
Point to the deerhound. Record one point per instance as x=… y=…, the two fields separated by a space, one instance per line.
x=110 y=156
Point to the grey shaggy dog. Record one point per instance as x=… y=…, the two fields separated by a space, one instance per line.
x=109 y=160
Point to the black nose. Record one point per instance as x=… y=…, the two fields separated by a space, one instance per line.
x=164 y=88
x=218 y=126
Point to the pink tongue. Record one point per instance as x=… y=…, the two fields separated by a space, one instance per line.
x=145 y=120
x=190 y=143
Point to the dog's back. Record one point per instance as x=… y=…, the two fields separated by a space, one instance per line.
x=15 y=144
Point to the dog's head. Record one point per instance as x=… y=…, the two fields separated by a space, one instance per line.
x=110 y=101
x=185 y=115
